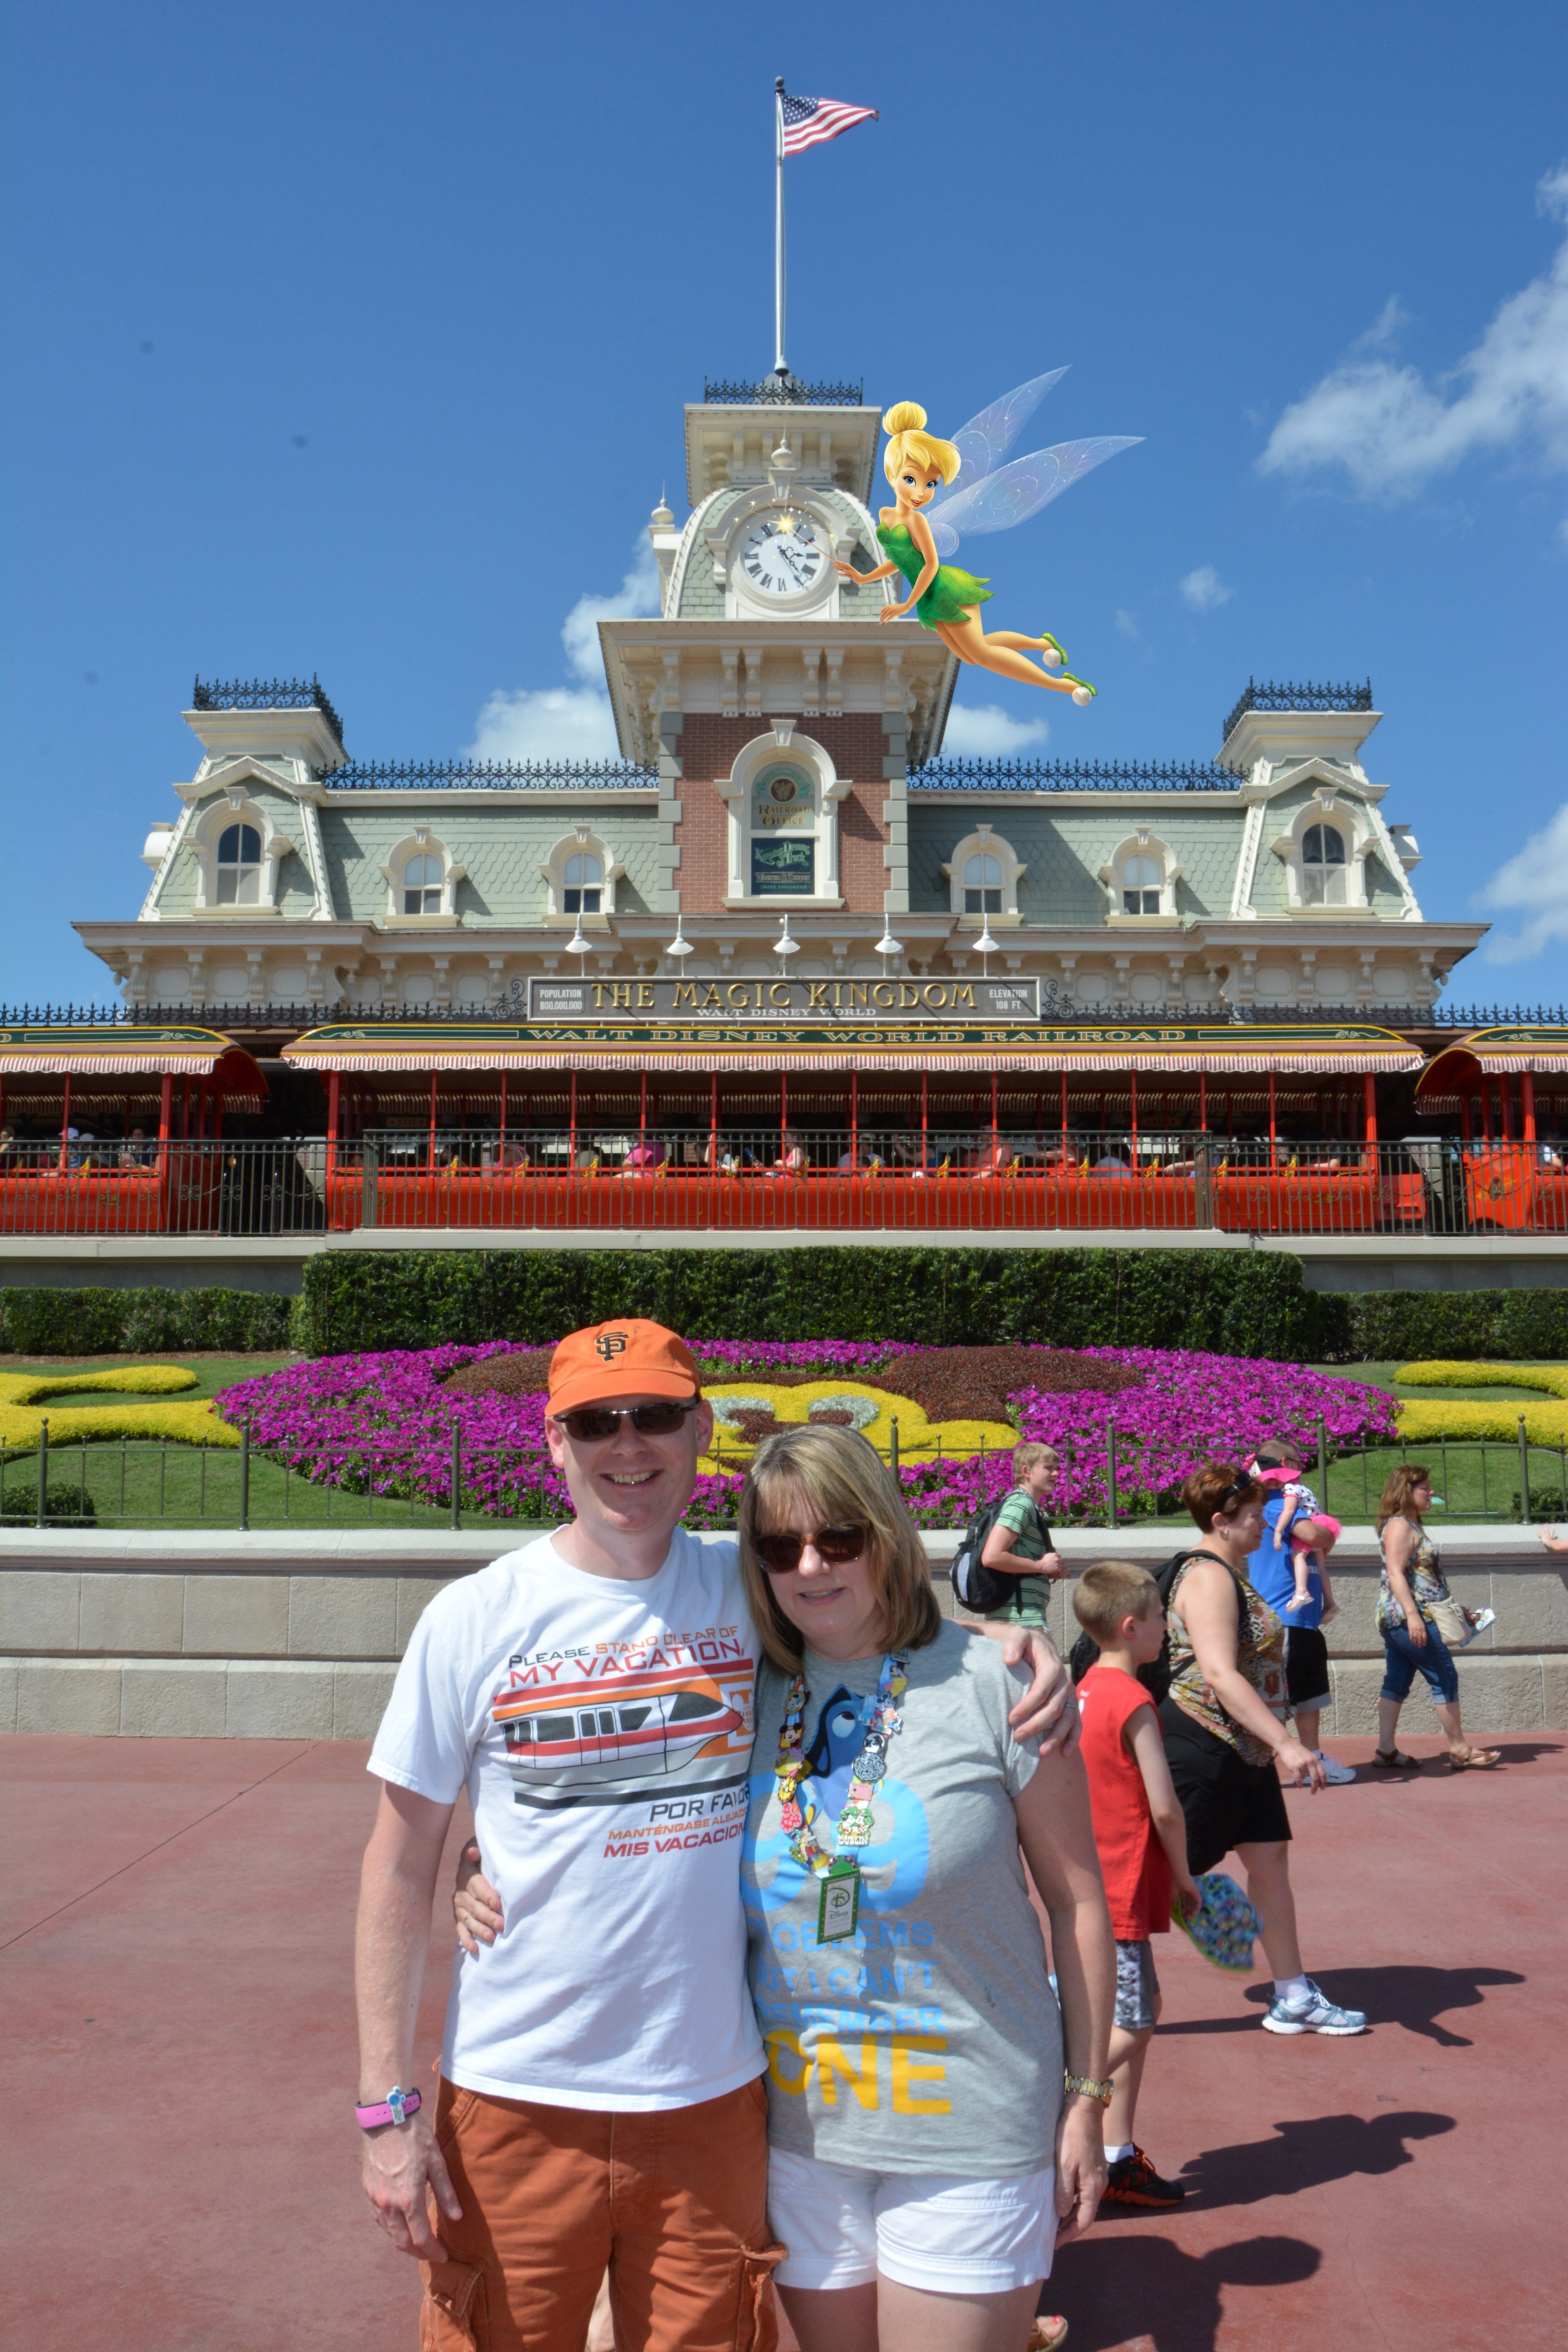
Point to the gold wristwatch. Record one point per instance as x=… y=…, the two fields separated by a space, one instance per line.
x=1088 y=2087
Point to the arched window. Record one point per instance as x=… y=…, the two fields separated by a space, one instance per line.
x=239 y=866
x=982 y=884
x=1141 y=879
x=421 y=879
x=582 y=880
x=1323 y=865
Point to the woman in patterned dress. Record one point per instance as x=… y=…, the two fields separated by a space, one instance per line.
x=1412 y=1580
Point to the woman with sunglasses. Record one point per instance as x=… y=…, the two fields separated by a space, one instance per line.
x=1225 y=1734
x=934 y=2119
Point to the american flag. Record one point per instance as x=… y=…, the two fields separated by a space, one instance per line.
x=809 y=120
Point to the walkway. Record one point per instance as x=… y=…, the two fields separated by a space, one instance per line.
x=175 y=1934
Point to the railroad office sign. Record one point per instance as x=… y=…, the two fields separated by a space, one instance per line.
x=812 y=1000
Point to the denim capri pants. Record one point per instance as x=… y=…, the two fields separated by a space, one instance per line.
x=1401 y=1662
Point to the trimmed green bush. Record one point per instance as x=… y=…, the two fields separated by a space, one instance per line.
x=1238 y=1303
x=70 y=1503
x=1402 y=1326
x=105 y=1322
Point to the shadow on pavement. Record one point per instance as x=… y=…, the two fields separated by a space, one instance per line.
x=1118 y=2290
x=1414 y=1997
x=1305 y=2155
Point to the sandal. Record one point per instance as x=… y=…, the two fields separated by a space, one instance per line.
x=1080 y=686
x=1393 y=1759
x=1056 y=648
x=1473 y=1759
x=1047 y=2334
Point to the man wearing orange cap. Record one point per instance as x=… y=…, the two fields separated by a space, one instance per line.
x=600 y=2101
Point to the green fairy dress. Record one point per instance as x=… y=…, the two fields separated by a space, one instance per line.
x=949 y=594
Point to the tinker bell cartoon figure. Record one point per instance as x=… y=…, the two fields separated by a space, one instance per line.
x=944 y=598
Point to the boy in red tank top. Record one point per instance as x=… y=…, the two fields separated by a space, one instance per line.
x=1142 y=1842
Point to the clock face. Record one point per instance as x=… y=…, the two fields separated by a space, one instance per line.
x=783 y=554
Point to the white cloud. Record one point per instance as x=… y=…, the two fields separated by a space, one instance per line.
x=1204 y=589
x=1128 y=624
x=989 y=733
x=1392 y=431
x=1532 y=884
x=570 y=722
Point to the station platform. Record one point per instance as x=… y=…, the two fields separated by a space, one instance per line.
x=175 y=1924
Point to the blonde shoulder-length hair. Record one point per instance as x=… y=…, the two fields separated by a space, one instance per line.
x=839 y=1478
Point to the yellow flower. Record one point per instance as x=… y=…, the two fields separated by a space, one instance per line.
x=1422 y=1419
x=919 y=1440
x=140 y=1413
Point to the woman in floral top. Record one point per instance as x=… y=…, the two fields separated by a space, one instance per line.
x=1413 y=1582
x=1225 y=1732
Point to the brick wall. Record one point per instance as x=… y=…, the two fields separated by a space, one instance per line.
x=709 y=745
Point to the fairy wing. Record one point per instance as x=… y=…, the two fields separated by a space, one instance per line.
x=1016 y=491
x=984 y=441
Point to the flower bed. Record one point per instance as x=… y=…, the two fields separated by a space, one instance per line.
x=385 y=1422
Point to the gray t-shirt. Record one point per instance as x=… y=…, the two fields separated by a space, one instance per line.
x=931 y=2042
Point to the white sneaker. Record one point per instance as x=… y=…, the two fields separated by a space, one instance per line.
x=1334 y=1773
x=1313 y=2014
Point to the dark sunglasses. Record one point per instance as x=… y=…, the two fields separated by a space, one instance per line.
x=590 y=1425
x=781 y=1553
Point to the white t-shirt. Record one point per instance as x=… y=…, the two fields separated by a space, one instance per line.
x=603 y=1729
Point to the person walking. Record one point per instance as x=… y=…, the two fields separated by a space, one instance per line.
x=1413 y=1583
x=600 y=2105
x=1223 y=1720
x=1019 y=1544
x=1271 y=1573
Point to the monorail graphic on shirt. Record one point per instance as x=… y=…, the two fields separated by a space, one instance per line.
x=615 y=1742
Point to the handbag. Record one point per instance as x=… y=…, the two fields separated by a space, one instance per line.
x=1454 y=1626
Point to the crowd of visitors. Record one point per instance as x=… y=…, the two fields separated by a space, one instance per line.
x=749 y=1987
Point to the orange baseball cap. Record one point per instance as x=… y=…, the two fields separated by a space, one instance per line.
x=626 y=1359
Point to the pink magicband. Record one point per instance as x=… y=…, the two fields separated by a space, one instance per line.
x=394 y=2109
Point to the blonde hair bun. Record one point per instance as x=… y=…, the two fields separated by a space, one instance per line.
x=908 y=439
x=905 y=417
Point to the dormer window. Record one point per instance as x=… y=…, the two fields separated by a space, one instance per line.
x=982 y=884
x=239 y=867
x=1141 y=881
x=582 y=883
x=422 y=886
x=1322 y=866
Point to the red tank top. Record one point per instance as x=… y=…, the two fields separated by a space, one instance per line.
x=1132 y=1860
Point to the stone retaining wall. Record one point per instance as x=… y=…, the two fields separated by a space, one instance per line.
x=297 y=1637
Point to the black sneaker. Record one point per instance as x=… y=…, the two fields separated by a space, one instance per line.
x=1134 y=2181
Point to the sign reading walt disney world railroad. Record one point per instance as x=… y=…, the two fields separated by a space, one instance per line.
x=825 y=1000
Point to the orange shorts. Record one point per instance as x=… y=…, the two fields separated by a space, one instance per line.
x=674 y=2204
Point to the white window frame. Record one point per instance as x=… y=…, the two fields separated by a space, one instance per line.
x=230 y=809
x=984 y=842
x=421 y=842
x=1142 y=843
x=1349 y=821
x=581 y=841
x=783 y=746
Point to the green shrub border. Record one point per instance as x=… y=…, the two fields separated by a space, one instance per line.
x=1235 y=1302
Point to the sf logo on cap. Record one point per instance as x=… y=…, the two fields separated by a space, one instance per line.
x=609 y=1344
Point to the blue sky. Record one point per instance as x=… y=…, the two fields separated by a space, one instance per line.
x=355 y=338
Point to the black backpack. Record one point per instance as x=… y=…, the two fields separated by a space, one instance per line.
x=979 y=1587
x=1155 y=1677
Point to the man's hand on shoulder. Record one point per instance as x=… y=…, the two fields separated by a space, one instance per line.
x=397 y=2163
x=1047 y=1710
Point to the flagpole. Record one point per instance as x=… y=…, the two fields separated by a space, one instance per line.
x=778 y=361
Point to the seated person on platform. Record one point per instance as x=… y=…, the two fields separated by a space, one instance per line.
x=649 y=1153
x=998 y=1158
x=792 y=1159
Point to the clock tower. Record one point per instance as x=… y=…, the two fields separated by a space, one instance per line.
x=782 y=712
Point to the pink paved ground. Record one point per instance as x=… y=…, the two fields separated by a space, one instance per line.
x=181 y=2177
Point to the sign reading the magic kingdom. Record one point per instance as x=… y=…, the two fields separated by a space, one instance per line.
x=826 y=1001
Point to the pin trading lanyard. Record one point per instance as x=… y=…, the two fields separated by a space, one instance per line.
x=839 y=1872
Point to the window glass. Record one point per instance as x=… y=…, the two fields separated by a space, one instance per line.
x=982 y=884
x=1141 y=878
x=422 y=886
x=239 y=866
x=689 y=1705
x=581 y=879
x=1323 y=865
x=632 y=1718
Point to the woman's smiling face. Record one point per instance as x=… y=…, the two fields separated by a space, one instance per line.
x=832 y=1603
x=917 y=485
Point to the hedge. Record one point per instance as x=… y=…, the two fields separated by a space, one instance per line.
x=1243 y=1304
x=1530 y=1326
x=104 y=1322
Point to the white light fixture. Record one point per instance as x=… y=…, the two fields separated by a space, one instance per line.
x=986 y=946
x=577 y=945
x=784 y=946
x=680 y=945
x=887 y=946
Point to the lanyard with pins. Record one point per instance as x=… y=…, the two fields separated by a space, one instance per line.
x=839 y=1872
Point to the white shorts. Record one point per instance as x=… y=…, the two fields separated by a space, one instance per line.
x=951 y=2236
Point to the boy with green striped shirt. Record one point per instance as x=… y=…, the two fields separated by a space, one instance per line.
x=1019 y=1545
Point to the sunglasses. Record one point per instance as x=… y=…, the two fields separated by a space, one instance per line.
x=780 y=1554
x=590 y=1425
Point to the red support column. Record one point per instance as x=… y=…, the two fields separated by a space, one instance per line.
x=1465 y=1117
x=994 y=1123
x=925 y=1113
x=1202 y=1103
x=1505 y=1091
x=501 y=1145
x=1065 y=1114
x=333 y=1084
x=1369 y=1098
x=1133 y=1084
x=166 y=1108
x=783 y=1114
x=712 y=1129
x=571 y=1128
x=1486 y=1110
x=1271 y=1125
x=1526 y=1093
x=854 y=1122
x=642 y=1121
x=433 y=1119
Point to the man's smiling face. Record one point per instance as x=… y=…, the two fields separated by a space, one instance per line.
x=630 y=1483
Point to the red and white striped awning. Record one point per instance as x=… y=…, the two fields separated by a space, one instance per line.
x=116 y=1053
x=1493 y=1053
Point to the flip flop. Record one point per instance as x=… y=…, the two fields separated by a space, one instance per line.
x=1474 y=1759
x=1055 y=643
x=1068 y=679
x=1047 y=2334
x=1396 y=1760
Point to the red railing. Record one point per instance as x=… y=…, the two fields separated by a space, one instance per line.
x=724 y=1182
